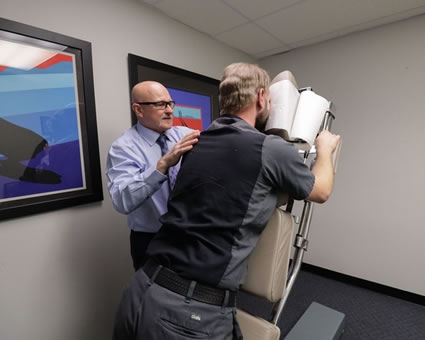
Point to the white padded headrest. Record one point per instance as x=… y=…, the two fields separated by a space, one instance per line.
x=285 y=75
x=293 y=116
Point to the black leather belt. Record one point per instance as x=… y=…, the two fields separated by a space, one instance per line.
x=177 y=284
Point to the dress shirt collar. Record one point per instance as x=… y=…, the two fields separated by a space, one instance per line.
x=149 y=135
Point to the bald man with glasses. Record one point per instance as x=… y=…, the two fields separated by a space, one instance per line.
x=143 y=162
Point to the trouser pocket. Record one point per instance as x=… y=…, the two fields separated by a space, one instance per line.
x=173 y=331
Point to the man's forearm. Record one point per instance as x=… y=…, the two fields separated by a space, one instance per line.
x=324 y=174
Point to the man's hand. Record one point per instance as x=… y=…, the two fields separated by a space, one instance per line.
x=326 y=142
x=173 y=156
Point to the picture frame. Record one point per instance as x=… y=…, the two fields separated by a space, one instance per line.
x=196 y=95
x=49 y=152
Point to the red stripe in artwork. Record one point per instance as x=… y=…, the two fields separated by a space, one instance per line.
x=2 y=68
x=195 y=124
x=57 y=58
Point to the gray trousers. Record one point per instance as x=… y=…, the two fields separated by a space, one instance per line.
x=150 y=312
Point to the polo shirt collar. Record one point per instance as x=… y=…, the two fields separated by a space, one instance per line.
x=229 y=119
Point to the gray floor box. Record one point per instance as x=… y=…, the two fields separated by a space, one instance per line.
x=318 y=323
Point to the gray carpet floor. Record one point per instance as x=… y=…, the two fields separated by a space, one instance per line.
x=369 y=315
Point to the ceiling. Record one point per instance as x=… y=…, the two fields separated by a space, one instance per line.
x=263 y=28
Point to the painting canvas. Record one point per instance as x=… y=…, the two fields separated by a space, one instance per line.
x=40 y=139
x=45 y=108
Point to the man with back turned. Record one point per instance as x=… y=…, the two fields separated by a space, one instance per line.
x=225 y=193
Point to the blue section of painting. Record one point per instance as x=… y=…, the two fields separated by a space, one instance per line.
x=187 y=112
x=49 y=112
x=63 y=159
x=56 y=127
x=24 y=102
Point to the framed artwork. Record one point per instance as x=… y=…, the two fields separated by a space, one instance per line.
x=49 y=154
x=196 y=96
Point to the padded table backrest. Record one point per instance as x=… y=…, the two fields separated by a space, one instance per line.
x=268 y=264
x=255 y=328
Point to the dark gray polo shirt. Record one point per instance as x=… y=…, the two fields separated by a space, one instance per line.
x=225 y=193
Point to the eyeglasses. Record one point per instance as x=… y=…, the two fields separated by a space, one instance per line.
x=160 y=105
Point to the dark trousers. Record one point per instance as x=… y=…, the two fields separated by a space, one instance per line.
x=139 y=242
x=150 y=312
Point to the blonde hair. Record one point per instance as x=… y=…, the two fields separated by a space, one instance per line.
x=240 y=85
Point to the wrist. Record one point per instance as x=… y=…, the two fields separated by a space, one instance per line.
x=162 y=166
x=324 y=152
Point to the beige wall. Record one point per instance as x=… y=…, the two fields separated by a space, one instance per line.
x=373 y=226
x=62 y=273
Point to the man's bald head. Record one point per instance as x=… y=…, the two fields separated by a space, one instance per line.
x=143 y=95
x=146 y=90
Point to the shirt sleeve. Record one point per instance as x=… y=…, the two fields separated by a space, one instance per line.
x=131 y=180
x=181 y=131
x=284 y=168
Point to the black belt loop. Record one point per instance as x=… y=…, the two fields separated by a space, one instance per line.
x=190 y=292
x=156 y=272
x=225 y=300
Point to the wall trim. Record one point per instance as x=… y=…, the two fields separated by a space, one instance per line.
x=377 y=287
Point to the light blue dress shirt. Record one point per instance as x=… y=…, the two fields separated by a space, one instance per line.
x=137 y=189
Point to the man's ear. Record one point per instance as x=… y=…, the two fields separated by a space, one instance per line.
x=137 y=109
x=261 y=99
